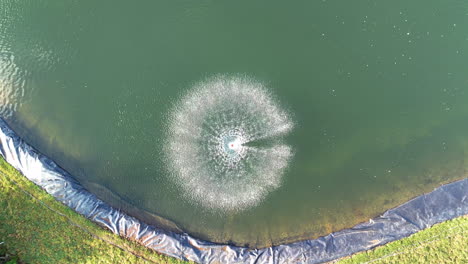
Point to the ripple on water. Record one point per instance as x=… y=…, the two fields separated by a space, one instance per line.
x=12 y=79
x=12 y=85
x=23 y=50
x=209 y=136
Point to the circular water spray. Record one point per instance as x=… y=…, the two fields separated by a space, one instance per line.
x=224 y=143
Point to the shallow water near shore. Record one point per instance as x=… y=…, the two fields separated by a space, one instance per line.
x=376 y=92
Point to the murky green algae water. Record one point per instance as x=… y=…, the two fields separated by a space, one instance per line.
x=377 y=92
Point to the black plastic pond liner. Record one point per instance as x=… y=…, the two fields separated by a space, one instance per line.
x=444 y=203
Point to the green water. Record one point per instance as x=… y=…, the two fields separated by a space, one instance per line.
x=378 y=91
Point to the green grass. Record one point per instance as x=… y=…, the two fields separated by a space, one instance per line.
x=37 y=229
x=442 y=243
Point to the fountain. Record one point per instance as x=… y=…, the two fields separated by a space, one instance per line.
x=210 y=136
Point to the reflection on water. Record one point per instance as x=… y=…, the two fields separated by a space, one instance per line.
x=12 y=79
x=28 y=55
x=12 y=84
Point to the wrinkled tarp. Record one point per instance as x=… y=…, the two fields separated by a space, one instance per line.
x=444 y=203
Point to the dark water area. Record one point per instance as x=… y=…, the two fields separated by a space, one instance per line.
x=377 y=91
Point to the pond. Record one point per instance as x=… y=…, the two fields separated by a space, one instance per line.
x=246 y=123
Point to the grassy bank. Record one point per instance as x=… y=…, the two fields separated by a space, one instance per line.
x=442 y=243
x=37 y=229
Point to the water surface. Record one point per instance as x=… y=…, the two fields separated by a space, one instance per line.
x=377 y=91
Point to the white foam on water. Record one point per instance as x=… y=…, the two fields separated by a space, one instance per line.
x=207 y=148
